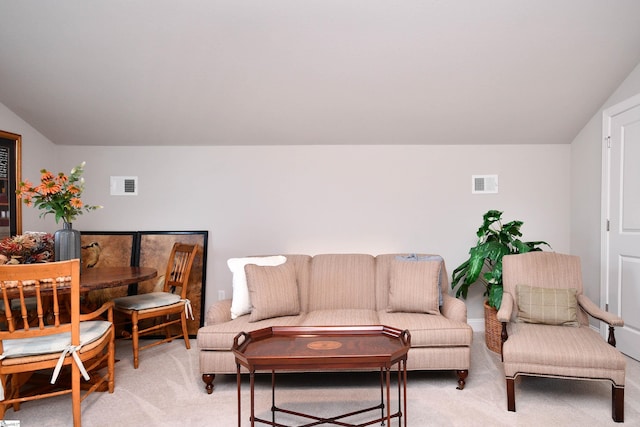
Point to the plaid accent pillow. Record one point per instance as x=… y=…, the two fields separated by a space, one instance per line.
x=549 y=306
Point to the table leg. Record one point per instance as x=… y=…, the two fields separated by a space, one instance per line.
x=388 y=376
x=252 y=375
x=404 y=386
x=238 y=384
x=273 y=397
x=382 y=396
x=399 y=369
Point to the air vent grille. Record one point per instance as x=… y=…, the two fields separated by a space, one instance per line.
x=124 y=185
x=129 y=186
x=484 y=184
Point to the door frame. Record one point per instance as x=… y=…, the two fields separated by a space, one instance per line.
x=607 y=116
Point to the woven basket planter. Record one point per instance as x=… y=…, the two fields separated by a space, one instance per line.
x=492 y=329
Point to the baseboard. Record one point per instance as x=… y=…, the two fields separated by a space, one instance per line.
x=476 y=324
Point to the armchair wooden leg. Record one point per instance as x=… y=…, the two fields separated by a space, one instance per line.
x=208 y=380
x=511 y=395
x=617 y=404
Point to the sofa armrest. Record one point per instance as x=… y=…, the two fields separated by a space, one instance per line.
x=219 y=312
x=453 y=308
x=506 y=308
x=593 y=310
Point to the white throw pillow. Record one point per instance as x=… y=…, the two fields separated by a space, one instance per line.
x=241 y=304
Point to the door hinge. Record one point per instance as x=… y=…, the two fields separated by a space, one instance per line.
x=608 y=139
x=608 y=225
x=606 y=307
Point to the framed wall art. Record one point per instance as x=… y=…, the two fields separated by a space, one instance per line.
x=10 y=170
x=154 y=250
x=108 y=249
x=146 y=249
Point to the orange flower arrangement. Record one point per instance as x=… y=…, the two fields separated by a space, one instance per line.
x=57 y=194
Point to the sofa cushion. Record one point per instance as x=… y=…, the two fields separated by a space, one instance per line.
x=220 y=336
x=419 y=258
x=413 y=286
x=241 y=303
x=429 y=330
x=341 y=317
x=273 y=291
x=341 y=281
x=549 y=306
x=383 y=274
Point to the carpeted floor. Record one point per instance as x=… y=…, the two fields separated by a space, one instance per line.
x=167 y=391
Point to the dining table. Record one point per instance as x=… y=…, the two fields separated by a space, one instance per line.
x=92 y=279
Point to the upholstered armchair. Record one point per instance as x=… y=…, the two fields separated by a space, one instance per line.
x=545 y=328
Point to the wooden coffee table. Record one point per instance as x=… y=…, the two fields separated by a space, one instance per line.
x=325 y=348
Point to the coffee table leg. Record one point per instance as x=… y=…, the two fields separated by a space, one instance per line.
x=399 y=369
x=252 y=375
x=238 y=385
x=388 y=375
x=273 y=397
x=382 y=396
x=404 y=386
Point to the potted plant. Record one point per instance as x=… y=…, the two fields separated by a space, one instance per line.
x=484 y=265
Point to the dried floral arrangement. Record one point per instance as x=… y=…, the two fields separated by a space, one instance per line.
x=27 y=248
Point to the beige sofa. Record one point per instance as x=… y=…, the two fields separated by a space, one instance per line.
x=353 y=289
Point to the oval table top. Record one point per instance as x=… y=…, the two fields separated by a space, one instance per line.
x=111 y=277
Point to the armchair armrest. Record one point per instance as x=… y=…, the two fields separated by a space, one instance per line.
x=506 y=308
x=107 y=306
x=219 y=312
x=594 y=311
x=453 y=308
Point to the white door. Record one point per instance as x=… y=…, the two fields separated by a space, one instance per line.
x=622 y=209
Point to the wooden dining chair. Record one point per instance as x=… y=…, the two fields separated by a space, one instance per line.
x=82 y=342
x=167 y=307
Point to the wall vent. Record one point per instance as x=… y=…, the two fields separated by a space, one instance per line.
x=124 y=185
x=484 y=184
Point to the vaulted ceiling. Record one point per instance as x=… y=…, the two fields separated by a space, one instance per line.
x=254 y=72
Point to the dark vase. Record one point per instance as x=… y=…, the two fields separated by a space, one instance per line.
x=66 y=243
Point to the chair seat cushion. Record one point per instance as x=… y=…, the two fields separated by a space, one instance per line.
x=56 y=343
x=144 y=301
x=561 y=351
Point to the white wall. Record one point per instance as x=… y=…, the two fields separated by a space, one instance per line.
x=586 y=177
x=315 y=199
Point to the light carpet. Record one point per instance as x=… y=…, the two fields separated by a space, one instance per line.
x=166 y=390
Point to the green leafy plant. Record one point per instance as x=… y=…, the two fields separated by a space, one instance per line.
x=484 y=265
